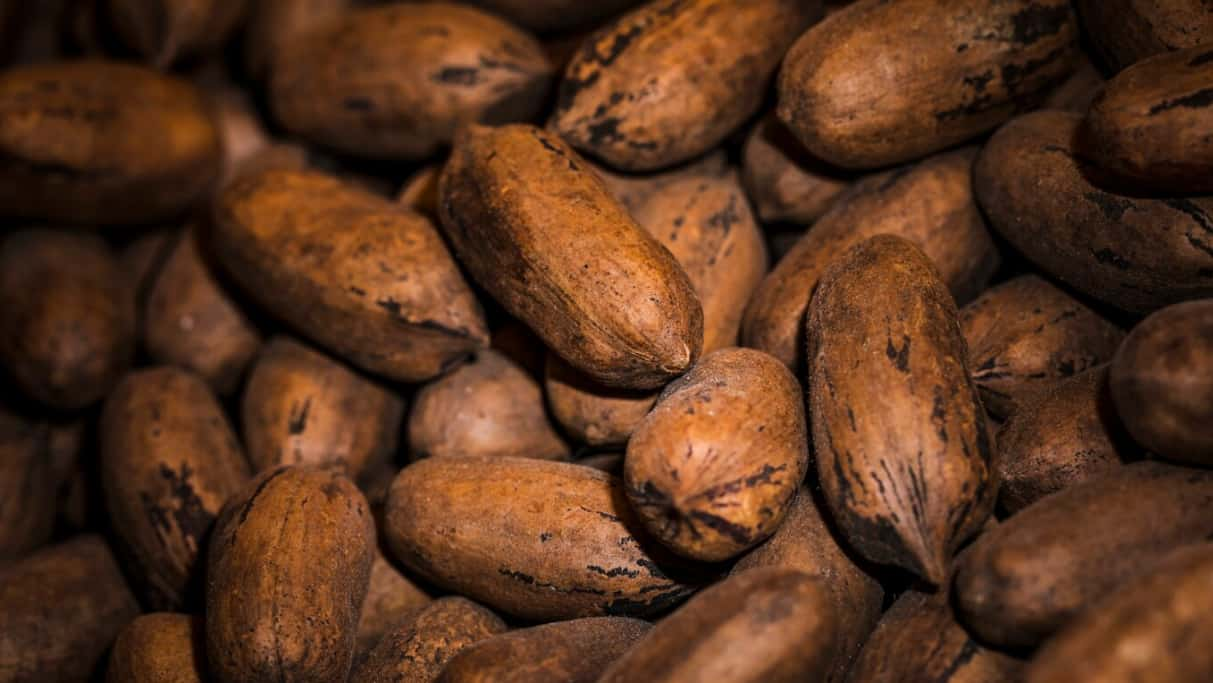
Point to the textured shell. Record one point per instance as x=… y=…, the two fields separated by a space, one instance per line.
x=607 y=296
x=899 y=433
x=190 y=319
x=68 y=315
x=353 y=271
x=784 y=181
x=590 y=412
x=1138 y=254
x=28 y=486
x=1066 y=434
x=490 y=406
x=1026 y=334
x=1150 y=126
x=712 y=470
x=930 y=204
x=949 y=70
x=537 y=539
x=396 y=81
x=1022 y=580
x=391 y=597
x=102 y=143
x=162 y=31
x=574 y=651
x=1162 y=382
x=1124 y=32
x=1155 y=628
x=301 y=407
x=633 y=189
x=289 y=563
x=918 y=639
x=60 y=609
x=169 y=462
x=159 y=648
x=670 y=80
x=762 y=626
x=807 y=542
x=418 y=648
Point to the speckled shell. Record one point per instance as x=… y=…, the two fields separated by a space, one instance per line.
x=1137 y=254
x=1162 y=382
x=60 y=609
x=784 y=181
x=163 y=31
x=1026 y=334
x=1156 y=628
x=537 y=539
x=1151 y=126
x=899 y=433
x=102 y=143
x=918 y=639
x=573 y=651
x=768 y=625
x=169 y=461
x=1124 y=32
x=930 y=204
x=289 y=563
x=593 y=413
x=418 y=648
x=607 y=296
x=162 y=647
x=948 y=71
x=489 y=406
x=713 y=469
x=391 y=598
x=1063 y=435
x=301 y=407
x=671 y=79
x=354 y=272
x=68 y=315
x=28 y=486
x=396 y=81
x=807 y=542
x=1024 y=579
x=190 y=319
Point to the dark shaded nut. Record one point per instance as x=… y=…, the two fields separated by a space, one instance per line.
x=1124 y=32
x=141 y=260
x=418 y=648
x=607 y=297
x=537 y=539
x=274 y=23
x=487 y=407
x=1137 y=254
x=930 y=204
x=1154 y=628
x=68 y=315
x=899 y=433
x=159 y=648
x=391 y=598
x=169 y=462
x=354 y=272
x=918 y=639
x=240 y=127
x=555 y=15
x=783 y=180
x=163 y=31
x=806 y=542
x=671 y=79
x=1026 y=334
x=767 y=625
x=950 y=70
x=712 y=470
x=29 y=483
x=103 y=143
x=60 y=609
x=420 y=191
x=301 y=407
x=574 y=651
x=288 y=568
x=1064 y=435
x=190 y=319
x=1024 y=579
x=593 y=413
x=633 y=189
x=1150 y=126
x=1162 y=382
x=611 y=463
x=421 y=70
x=1076 y=93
